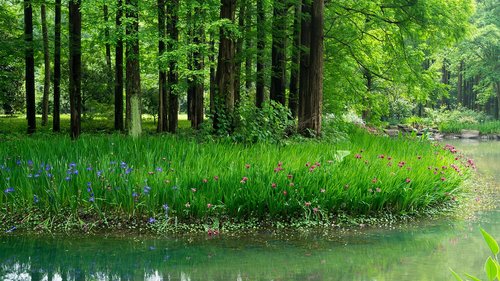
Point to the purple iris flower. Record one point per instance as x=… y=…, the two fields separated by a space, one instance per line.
x=9 y=190
x=152 y=220
x=35 y=199
x=147 y=189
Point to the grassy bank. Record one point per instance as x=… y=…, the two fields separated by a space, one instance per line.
x=485 y=128
x=112 y=180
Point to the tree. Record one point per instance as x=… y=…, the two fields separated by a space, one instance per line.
x=75 y=65
x=224 y=94
x=293 y=99
x=304 y=82
x=30 y=66
x=173 y=75
x=56 y=123
x=46 y=59
x=162 y=74
x=119 y=69
x=133 y=82
x=278 y=67
x=261 y=45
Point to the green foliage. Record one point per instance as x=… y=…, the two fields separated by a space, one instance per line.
x=271 y=123
x=491 y=266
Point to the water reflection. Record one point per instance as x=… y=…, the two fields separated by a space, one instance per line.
x=423 y=252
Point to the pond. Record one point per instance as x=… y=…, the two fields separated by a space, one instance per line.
x=419 y=252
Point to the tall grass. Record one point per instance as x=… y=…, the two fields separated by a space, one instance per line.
x=154 y=177
x=485 y=128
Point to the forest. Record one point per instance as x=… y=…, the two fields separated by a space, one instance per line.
x=221 y=62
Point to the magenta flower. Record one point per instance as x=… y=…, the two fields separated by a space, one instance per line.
x=308 y=204
x=209 y=205
x=357 y=156
x=273 y=185
x=205 y=180
x=216 y=178
x=408 y=180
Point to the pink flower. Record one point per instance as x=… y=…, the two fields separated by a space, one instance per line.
x=289 y=176
x=209 y=205
x=308 y=204
x=401 y=164
x=205 y=180
x=315 y=209
x=374 y=180
x=216 y=178
x=273 y=185
x=308 y=164
x=247 y=166
x=291 y=184
x=280 y=164
x=357 y=156
x=408 y=180
x=389 y=158
x=285 y=193
x=244 y=180
x=381 y=156
x=378 y=189
x=443 y=178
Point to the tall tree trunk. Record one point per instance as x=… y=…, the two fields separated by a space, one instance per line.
x=316 y=74
x=173 y=77
x=30 y=66
x=75 y=64
x=293 y=100
x=497 y=111
x=278 y=78
x=460 y=99
x=304 y=88
x=46 y=59
x=119 y=69
x=211 y=58
x=224 y=98
x=162 y=73
x=248 y=46
x=133 y=81
x=190 y=64
x=261 y=45
x=239 y=53
x=108 y=51
x=198 y=61
x=56 y=120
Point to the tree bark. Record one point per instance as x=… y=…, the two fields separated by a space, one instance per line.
x=162 y=73
x=119 y=69
x=224 y=94
x=239 y=53
x=30 y=66
x=46 y=59
x=75 y=63
x=304 y=88
x=133 y=81
x=316 y=74
x=261 y=45
x=248 y=46
x=460 y=83
x=293 y=100
x=56 y=120
x=278 y=78
x=173 y=77
x=198 y=61
x=211 y=59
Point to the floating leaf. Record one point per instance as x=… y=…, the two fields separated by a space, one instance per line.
x=491 y=242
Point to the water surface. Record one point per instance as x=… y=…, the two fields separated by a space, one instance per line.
x=419 y=252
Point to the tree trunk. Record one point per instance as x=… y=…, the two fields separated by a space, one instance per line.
x=108 y=51
x=119 y=69
x=248 y=46
x=198 y=60
x=460 y=83
x=162 y=74
x=30 y=67
x=304 y=88
x=173 y=77
x=316 y=74
x=46 y=59
x=261 y=45
x=190 y=64
x=310 y=123
x=56 y=120
x=211 y=59
x=75 y=64
x=293 y=100
x=239 y=53
x=277 y=93
x=224 y=94
x=497 y=112
x=133 y=81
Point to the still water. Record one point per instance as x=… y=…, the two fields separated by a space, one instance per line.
x=419 y=252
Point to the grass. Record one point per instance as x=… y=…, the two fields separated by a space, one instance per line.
x=486 y=128
x=115 y=180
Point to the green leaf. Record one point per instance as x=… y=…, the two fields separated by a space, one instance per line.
x=491 y=268
x=456 y=275
x=473 y=278
x=491 y=242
